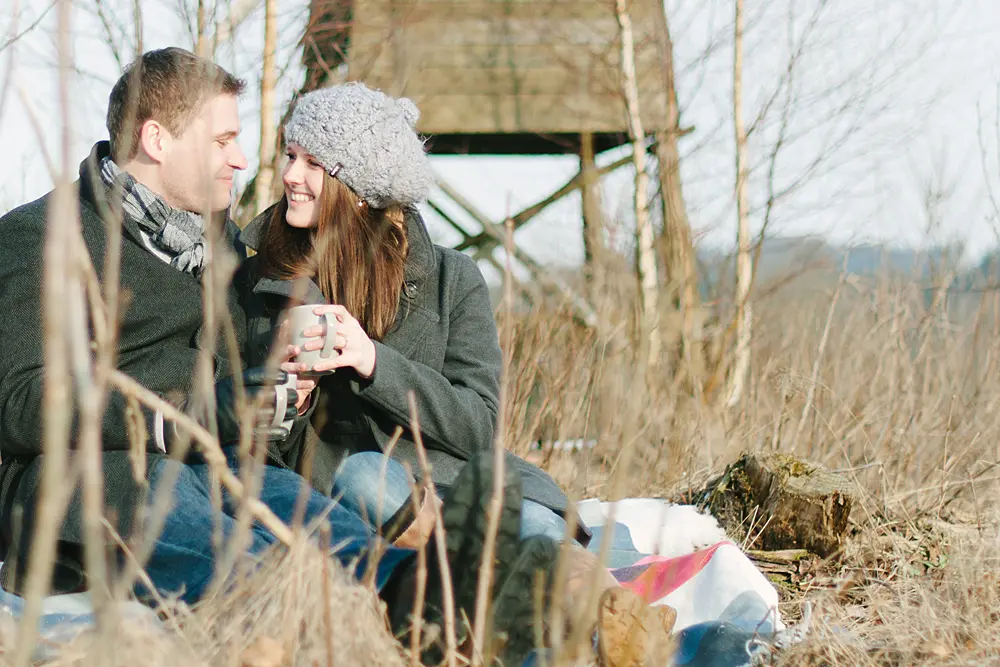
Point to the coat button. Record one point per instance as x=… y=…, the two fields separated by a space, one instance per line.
x=411 y=289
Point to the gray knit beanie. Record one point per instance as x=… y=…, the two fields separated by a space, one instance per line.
x=370 y=135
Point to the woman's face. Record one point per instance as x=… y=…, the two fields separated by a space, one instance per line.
x=303 y=179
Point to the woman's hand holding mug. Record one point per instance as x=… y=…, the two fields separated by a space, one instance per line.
x=355 y=349
x=327 y=338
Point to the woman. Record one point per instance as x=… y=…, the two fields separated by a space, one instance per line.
x=412 y=316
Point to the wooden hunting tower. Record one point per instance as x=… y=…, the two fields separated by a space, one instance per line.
x=505 y=77
x=510 y=76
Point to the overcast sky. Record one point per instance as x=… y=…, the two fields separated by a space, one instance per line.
x=887 y=99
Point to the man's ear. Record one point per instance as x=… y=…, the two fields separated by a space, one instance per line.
x=152 y=140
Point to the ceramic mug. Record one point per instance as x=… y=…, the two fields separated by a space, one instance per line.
x=301 y=318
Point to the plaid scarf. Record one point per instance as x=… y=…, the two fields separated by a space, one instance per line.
x=179 y=235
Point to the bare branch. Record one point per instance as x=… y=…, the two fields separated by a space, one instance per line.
x=57 y=392
x=239 y=12
x=440 y=539
x=137 y=21
x=210 y=449
x=11 y=60
x=110 y=36
x=16 y=36
x=991 y=193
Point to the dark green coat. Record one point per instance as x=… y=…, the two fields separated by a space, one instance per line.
x=444 y=347
x=161 y=328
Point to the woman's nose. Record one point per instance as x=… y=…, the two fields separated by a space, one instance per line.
x=291 y=175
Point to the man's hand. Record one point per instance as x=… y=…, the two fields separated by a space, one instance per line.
x=303 y=385
x=256 y=382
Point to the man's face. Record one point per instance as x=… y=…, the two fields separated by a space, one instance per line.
x=198 y=165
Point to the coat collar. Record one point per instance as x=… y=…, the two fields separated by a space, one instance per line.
x=310 y=293
x=94 y=191
x=421 y=258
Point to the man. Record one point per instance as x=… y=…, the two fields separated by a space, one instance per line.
x=173 y=122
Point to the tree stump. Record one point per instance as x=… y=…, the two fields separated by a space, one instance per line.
x=793 y=504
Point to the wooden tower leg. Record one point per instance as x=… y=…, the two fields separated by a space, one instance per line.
x=593 y=220
x=493 y=236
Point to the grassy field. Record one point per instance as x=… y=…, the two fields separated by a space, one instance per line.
x=898 y=393
x=891 y=383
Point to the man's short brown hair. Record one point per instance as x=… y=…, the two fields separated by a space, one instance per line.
x=168 y=86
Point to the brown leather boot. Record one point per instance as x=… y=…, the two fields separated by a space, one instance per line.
x=582 y=570
x=631 y=633
x=412 y=530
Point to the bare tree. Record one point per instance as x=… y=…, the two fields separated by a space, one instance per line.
x=649 y=330
x=590 y=191
x=113 y=33
x=325 y=40
x=13 y=34
x=201 y=42
x=744 y=263
x=57 y=290
x=809 y=126
x=677 y=250
x=268 y=134
x=237 y=12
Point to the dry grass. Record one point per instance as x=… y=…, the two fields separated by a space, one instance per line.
x=297 y=608
x=298 y=600
x=929 y=599
x=906 y=403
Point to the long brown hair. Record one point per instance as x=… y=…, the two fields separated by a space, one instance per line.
x=356 y=254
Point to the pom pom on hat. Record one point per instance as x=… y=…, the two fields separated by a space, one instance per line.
x=409 y=110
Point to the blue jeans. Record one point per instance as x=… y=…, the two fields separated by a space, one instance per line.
x=183 y=562
x=374 y=487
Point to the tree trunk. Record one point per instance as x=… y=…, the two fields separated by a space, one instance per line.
x=649 y=330
x=676 y=247
x=677 y=250
x=324 y=51
x=268 y=139
x=325 y=42
x=678 y=255
x=744 y=266
x=784 y=501
x=201 y=42
x=593 y=219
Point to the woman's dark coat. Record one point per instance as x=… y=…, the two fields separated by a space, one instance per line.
x=444 y=347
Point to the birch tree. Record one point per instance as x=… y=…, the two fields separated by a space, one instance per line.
x=268 y=133
x=744 y=264
x=649 y=330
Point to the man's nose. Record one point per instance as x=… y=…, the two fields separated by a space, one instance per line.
x=237 y=159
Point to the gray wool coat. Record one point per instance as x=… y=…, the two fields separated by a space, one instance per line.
x=444 y=347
